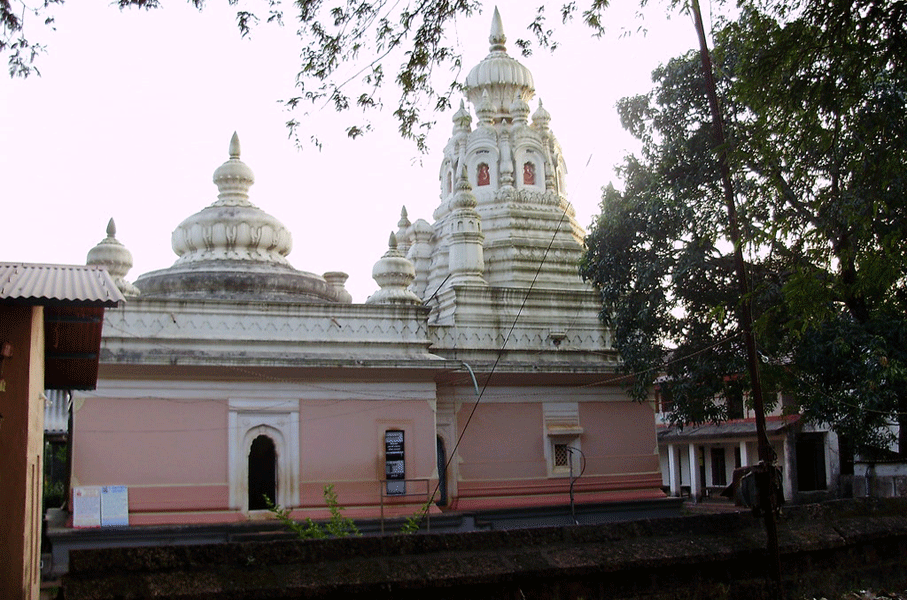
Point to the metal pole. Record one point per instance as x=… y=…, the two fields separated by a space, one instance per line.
x=765 y=475
x=572 y=505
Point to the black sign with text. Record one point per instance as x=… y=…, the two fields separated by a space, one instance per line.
x=394 y=463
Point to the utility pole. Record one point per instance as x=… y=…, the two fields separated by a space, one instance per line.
x=765 y=474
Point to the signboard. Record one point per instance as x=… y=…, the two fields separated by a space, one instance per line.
x=394 y=463
x=86 y=507
x=114 y=506
x=100 y=506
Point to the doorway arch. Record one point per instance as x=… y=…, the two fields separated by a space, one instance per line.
x=278 y=420
x=262 y=484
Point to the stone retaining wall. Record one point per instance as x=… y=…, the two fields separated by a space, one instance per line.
x=826 y=549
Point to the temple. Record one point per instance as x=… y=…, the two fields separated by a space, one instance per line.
x=477 y=377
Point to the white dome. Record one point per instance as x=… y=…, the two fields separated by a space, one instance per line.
x=234 y=250
x=232 y=228
x=503 y=77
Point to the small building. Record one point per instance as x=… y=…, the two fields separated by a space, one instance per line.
x=809 y=456
x=50 y=331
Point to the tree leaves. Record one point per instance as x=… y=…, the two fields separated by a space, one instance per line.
x=814 y=105
x=349 y=50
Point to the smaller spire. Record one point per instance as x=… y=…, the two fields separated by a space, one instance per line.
x=404 y=219
x=402 y=231
x=519 y=111
x=116 y=258
x=234 y=178
x=541 y=117
x=462 y=120
x=485 y=109
x=393 y=273
x=464 y=197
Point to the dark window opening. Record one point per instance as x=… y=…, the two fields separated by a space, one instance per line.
x=811 y=462
x=262 y=473
x=846 y=455
x=734 y=395
x=664 y=402
x=442 y=474
x=719 y=468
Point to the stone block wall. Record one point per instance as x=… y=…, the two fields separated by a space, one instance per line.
x=826 y=549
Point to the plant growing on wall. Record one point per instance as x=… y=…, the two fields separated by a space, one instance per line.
x=337 y=526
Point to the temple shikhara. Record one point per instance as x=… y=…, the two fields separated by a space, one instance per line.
x=477 y=377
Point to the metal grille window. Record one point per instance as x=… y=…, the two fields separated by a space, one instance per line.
x=561 y=455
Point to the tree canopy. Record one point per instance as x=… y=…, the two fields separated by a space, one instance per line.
x=348 y=49
x=813 y=96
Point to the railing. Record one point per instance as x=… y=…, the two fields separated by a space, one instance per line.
x=426 y=495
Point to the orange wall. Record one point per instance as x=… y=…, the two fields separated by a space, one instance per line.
x=21 y=451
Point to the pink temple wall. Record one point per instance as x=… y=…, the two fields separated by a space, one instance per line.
x=504 y=463
x=619 y=437
x=173 y=454
x=342 y=443
x=503 y=441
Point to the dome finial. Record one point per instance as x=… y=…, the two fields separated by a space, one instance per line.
x=116 y=258
x=393 y=273
x=497 y=39
x=499 y=73
x=233 y=179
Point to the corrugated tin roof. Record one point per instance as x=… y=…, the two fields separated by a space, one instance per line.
x=57 y=284
x=56 y=412
x=740 y=429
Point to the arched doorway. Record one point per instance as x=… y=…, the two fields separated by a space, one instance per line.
x=262 y=473
x=441 y=500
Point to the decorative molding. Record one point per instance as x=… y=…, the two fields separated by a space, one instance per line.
x=278 y=419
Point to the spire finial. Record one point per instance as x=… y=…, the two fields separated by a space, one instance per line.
x=234 y=146
x=497 y=39
x=111 y=228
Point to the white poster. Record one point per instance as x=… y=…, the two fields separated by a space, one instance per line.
x=114 y=506
x=86 y=506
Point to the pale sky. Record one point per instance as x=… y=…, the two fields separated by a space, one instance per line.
x=134 y=111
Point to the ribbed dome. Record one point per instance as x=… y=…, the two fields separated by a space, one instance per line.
x=233 y=250
x=232 y=228
x=502 y=76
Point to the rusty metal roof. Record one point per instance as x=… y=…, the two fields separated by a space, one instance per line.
x=733 y=430
x=74 y=298
x=57 y=285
